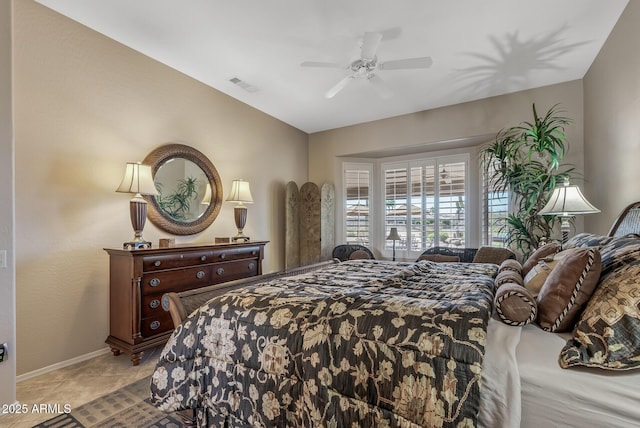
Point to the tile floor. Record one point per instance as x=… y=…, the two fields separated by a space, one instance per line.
x=77 y=384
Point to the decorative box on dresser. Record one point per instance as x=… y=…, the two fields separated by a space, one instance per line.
x=139 y=278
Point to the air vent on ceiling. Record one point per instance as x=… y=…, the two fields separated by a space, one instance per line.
x=244 y=85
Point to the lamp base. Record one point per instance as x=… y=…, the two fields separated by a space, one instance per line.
x=565 y=228
x=240 y=216
x=138 y=212
x=136 y=245
x=240 y=237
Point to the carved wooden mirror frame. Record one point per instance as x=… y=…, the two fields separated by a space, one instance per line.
x=162 y=219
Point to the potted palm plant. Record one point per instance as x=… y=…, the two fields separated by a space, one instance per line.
x=525 y=161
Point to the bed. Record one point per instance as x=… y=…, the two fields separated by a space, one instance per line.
x=381 y=343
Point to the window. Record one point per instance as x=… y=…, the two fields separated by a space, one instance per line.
x=451 y=206
x=494 y=211
x=357 y=184
x=425 y=200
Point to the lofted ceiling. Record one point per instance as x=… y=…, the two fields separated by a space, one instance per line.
x=479 y=48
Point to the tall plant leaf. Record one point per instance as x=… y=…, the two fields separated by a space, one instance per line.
x=526 y=161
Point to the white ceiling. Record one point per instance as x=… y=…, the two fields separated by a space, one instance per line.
x=479 y=48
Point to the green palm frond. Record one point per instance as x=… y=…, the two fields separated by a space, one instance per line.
x=526 y=161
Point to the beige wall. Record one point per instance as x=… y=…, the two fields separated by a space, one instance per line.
x=612 y=117
x=7 y=275
x=85 y=105
x=483 y=117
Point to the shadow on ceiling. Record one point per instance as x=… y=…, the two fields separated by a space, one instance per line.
x=516 y=61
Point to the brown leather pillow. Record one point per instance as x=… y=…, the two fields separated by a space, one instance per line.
x=538 y=275
x=439 y=258
x=534 y=280
x=515 y=305
x=545 y=251
x=511 y=264
x=507 y=276
x=568 y=288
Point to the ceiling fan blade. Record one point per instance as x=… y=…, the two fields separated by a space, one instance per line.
x=380 y=86
x=408 y=63
x=370 y=44
x=338 y=87
x=322 y=64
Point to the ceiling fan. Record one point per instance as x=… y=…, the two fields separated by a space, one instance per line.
x=366 y=66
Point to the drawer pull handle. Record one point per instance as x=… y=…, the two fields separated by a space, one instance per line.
x=154 y=303
x=157 y=263
x=254 y=252
x=223 y=256
x=203 y=258
x=252 y=265
x=155 y=325
x=154 y=282
x=220 y=271
x=200 y=274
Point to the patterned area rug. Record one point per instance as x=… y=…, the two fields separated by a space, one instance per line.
x=126 y=407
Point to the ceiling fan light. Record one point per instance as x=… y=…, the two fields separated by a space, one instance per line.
x=367 y=64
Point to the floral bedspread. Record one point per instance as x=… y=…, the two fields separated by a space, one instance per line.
x=365 y=343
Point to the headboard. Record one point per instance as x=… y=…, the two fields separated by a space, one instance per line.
x=627 y=222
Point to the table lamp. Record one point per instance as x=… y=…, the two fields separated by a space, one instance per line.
x=241 y=194
x=393 y=236
x=567 y=201
x=139 y=181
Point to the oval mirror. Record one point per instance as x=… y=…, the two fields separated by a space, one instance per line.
x=189 y=190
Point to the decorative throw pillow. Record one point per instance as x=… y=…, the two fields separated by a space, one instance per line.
x=619 y=251
x=608 y=333
x=507 y=276
x=494 y=255
x=515 y=305
x=537 y=276
x=511 y=264
x=586 y=240
x=545 y=251
x=439 y=258
x=359 y=254
x=568 y=288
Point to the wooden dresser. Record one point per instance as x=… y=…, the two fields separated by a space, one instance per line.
x=139 y=278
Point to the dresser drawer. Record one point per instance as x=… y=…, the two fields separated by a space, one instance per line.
x=137 y=321
x=236 y=253
x=151 y=305
x=156 y=325
x=172 y=261
x=234 y=270
x=177 y=280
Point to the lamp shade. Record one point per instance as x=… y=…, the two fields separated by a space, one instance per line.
x=240 y=192
x=568 y=200
x=393 y=234
x=137 y=179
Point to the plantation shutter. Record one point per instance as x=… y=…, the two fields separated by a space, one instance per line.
x=425 y=201
x=357 y=185
x=451 y=204
x=495 y=208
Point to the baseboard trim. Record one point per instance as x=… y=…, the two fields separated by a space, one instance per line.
x=62 y=364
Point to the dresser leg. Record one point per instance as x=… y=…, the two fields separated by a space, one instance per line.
x=115 y=351
x=135 y=358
